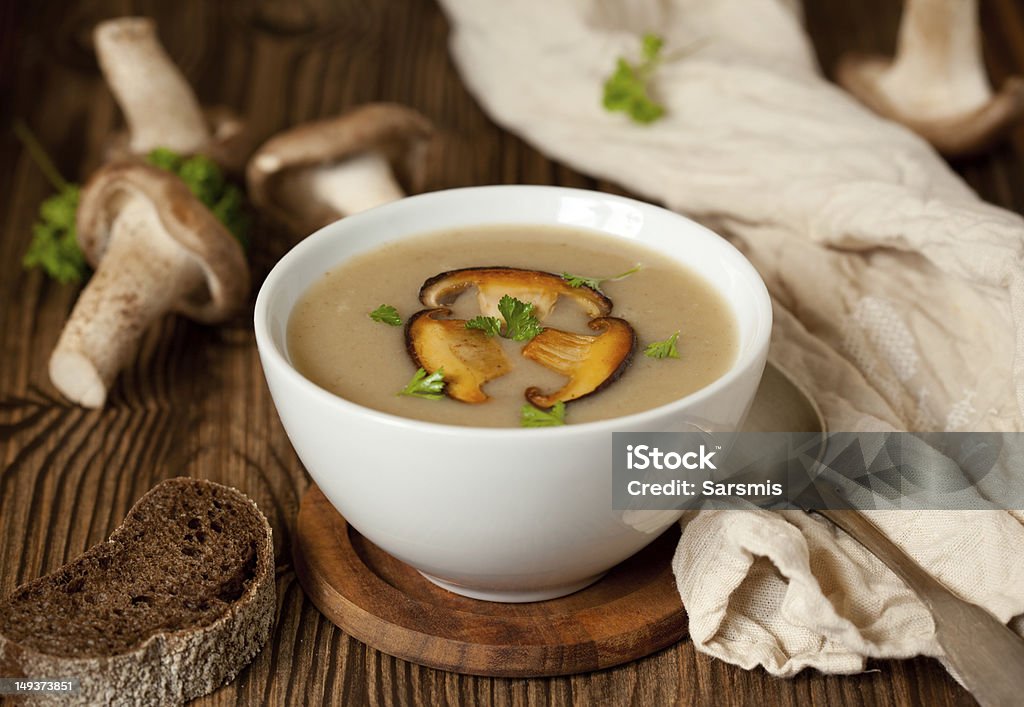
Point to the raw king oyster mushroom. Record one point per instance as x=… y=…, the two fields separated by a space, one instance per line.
x=158 y=104
x=155 y=249
x=470 y=358
x=937 y=84
x=319 y=172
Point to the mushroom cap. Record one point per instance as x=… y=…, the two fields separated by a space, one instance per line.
x=399 y=133
x=541 y=289
x=591 y=363
x=184 y=218
x=967 y=134
x=469 y=357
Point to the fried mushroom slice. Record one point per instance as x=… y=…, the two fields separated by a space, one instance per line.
x=469 y=357
x=590 y=362
x=541 y=289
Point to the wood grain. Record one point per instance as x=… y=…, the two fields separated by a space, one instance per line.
x=195 y=402
x=630 y=613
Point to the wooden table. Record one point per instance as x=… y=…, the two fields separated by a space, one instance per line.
x=195 y=402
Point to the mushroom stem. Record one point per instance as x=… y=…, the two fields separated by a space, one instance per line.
x=937 y=85
x=157 y=101
x=355 y=184
x=938 y=71
x=138 y=280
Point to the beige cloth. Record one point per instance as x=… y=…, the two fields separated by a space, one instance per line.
x=898 y=293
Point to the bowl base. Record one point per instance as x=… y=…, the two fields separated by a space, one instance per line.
x=630 y=612
x=511 y=596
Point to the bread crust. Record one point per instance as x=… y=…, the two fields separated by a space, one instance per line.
x=165 y=667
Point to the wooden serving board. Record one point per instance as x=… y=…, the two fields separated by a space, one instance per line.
x=632 y=612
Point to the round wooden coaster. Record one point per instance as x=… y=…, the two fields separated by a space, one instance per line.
x=632 y=612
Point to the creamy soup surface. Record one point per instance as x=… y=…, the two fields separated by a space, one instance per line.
x=333 y=342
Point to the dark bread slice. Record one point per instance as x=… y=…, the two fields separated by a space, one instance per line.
x=173 y=605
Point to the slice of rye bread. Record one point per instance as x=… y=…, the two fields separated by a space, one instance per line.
x=173 y=605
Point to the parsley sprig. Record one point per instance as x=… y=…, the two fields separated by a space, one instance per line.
x=594 y=283
x=488 y=325
x=663 y=349
x=521 y=324
x=54 y=246
x=386 y=314
x=628 y=88
x=430 y=387
x=530 y=416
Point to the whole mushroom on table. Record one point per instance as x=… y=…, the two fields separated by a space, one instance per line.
x=319 y=172
x=937 y=84
x=155 y=248
x=159 y=106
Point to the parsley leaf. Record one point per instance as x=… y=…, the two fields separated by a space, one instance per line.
x=426 y=386
x=488 y=325
x=663 y=349
x=165 y=158
x=594 y=283
x=650 y=46
x=203 y=177
x=580 y=280
x=520 y=322
x=628 y=88
x=386 y=314
x=529 y=416
x=54 y=246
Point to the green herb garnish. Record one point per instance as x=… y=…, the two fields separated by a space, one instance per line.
x=530 y=416
x=54 y=246
x=206 y=181
x=426 y=386
x=594 y=283
x=628 y=88
x=663 y=349
x=488 y=325
x=520 y=322
x=386 y=314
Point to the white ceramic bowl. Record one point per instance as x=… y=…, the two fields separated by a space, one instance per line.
x=497 y=514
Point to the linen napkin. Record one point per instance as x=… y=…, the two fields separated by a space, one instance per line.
x=898 y=294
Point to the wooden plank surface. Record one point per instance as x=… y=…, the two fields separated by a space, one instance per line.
x=195 y=402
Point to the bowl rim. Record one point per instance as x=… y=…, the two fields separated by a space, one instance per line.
x=271 y=355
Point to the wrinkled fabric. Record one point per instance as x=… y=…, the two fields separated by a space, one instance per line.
x=898 y=294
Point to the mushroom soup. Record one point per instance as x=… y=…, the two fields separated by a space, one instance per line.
x=504 y=326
